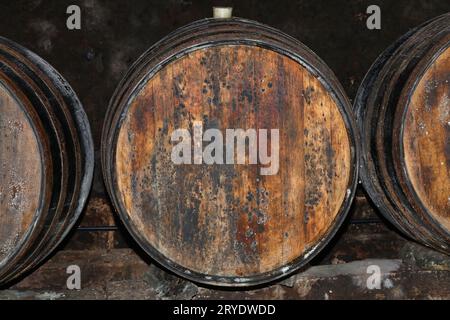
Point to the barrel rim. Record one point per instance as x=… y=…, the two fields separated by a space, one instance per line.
x=23 y=88
x=72 y=111
x=369 y=177
x=4 y=263
x=410 y=88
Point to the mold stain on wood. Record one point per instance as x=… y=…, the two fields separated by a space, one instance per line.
x=228 y=220
x=20 y=173
x=426 y=139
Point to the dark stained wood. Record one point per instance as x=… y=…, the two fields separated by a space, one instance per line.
x=274 y=219
x=99 y=228
x=229 y=224
x=403 y=110
x=46 y=159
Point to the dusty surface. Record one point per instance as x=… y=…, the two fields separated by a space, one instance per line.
x=20 y=173
x=229 y=219
x=415 y=273
x=426 y=139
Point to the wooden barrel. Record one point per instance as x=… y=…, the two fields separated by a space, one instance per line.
x=194 y=200
x=46 y=159
x=403 y=111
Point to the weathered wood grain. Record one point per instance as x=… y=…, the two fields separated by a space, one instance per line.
x=20 y=173
x=224 y=219
x=403 y=114
x=229 y=224
x=426 y=139
x=46 y=160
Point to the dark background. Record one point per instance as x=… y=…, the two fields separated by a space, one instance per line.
x=115 y=32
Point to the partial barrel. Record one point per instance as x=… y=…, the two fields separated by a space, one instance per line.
x=230 y=152
x=403 y=113
x=46 y=159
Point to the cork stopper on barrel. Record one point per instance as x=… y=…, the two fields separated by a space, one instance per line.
x=222 y=12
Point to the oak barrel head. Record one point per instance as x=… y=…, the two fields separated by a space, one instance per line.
x=403 y=110
x=426 y=138
x=45 y=113
x=21 y=170
x=195 y=201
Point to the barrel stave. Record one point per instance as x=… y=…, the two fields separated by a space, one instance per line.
x=381 y=104
x=66 y=147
